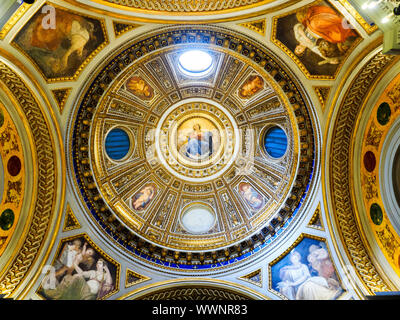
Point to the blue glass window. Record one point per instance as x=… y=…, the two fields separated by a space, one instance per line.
x=117 y=144
x=275 y=142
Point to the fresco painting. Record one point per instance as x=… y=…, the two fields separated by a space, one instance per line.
x=61 y=49
x=306 y=273
x=318 y=36
x=80 y=272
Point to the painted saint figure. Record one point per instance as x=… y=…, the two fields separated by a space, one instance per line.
x=83 y=285
x=139 y=87
x=61 y=50
x=321 y=30
x=324 y=286
x=252 y=197
x=252 y=85
x=293 y=276
x=141 y=199
x=79 y=273
x=199 y=143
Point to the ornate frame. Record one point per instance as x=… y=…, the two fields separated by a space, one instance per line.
x=338 y=167
x=297 y=61
x=99 y=250
x=83 y=64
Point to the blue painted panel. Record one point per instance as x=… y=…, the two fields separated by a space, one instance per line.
x=275 y=142
x=117 y=144
x=307 y=272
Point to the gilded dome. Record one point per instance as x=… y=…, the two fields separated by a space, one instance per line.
x=212 y=167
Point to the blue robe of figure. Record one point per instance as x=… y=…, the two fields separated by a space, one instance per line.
x=200 y=147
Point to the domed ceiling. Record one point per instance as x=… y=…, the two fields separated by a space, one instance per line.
x=197 y=150
x=195 y=141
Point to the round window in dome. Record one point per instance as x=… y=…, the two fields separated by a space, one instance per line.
x=195 y=62
x=117 y=144
x=275 y=142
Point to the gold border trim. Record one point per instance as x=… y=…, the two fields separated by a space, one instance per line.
x=317 y=214
x=189 y=19
x=141 y=278
x=356 y=249
x=203 y=282
x=252 y=274
x=70 y=213
x=13 y=20
x=13 y=275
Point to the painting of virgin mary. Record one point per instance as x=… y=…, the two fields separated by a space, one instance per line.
x=199 y=143
x=198 y=139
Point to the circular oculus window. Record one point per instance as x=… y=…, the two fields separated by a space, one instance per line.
x=195 y=63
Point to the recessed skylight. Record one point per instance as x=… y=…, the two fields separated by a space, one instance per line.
x=195 y=62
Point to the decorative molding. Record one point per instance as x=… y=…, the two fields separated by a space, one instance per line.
x=194 y=293
x=316 y=221
x=70 y=221
x=346 y=4
x=254 y=277
x=339 y=163
x=43 y=210
x=61 y=96
x=14 y=177
x=380 y=142
x=130 y=14
x=259 y=26
x=323 y=95
x=122 y=27
x=133 y=278
x=13 y=20
x=184 y=7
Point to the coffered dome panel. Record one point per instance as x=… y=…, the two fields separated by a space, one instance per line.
x=210 y=167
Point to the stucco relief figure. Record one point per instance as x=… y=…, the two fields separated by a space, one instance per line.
x=322 y=30
x=140 y=88
x=60 y=51
x=142 y=199
x=293 y=276
x=251 y=196
x=251 y=86
x=79 y=273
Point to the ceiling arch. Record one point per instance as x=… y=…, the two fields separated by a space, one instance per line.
x=273 y=102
